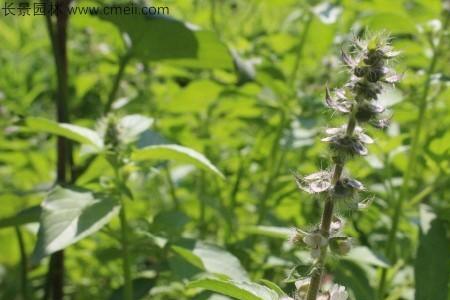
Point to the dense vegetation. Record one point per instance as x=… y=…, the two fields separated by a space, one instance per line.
x=156 y=157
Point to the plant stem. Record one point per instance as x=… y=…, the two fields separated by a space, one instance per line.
x=128 y=288
x=58 y=38
x=176 y=202
x=327 y=217
x=272 y=168
x=123 y=61
x=23 y=264
x=404 y=192
x=213 y=15
x=202 y=204
x=126 y=266
x=300 y=47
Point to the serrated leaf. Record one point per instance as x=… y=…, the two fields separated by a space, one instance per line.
x=69 y=215
x=238 y=290
x=212 y=259
x=431 y=266
x=175 y=152
x=28 y=215
x=76 y=133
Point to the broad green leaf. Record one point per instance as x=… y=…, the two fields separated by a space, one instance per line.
x=213 y=259
x=171 y=223
x=269 y=231
x=69 y=215
x=431 y=268
x=73 y=132
x=177 y=42
x=189 y=256
x=237 y=289
x=367 y=256
x=273 y=286
x=141 y=288
x=441 y=145
x=175 y=152
x=28 y=215
x=132 y=126
x=195 y=98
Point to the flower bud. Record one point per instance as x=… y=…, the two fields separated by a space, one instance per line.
x=315 y=241
x=340 y=245
x=296 y=237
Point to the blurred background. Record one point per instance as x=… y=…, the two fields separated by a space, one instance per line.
x=256 y=110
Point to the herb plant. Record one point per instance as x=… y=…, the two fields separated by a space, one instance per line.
x=104 y=197
x=369 y=69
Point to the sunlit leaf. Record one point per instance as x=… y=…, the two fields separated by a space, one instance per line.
x=131 y=126
x=238 y=290
x=200 y=49
x=365 y=255
x=73 y=132
x=177 y=153
x=69 y=215
x=213 y=259
x=269 y=231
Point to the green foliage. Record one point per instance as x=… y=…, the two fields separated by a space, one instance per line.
x=69 y=215
x=172 y=41
x=213 y=260
x=238 y=290
x=242 y=83
x=177 y=153
x=431 y=267
x=70 y=131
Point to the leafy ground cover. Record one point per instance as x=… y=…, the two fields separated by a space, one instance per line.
x=158 y=152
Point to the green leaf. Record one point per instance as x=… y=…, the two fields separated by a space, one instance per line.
x=269 y=231
x=177 y=43
x=354 y=277
x=195 y=98
x=239 y=290
x=273 y=286
x=175 y=152
x=212 y=259
x=367 y=256
x=131 y=126
x=76 y=133
x=431 y=269
x=141 y=288
x=28 y=215
x=69 y=215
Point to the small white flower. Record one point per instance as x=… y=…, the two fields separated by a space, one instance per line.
x=338 y=292
x=315 y=240
x=315 y=183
